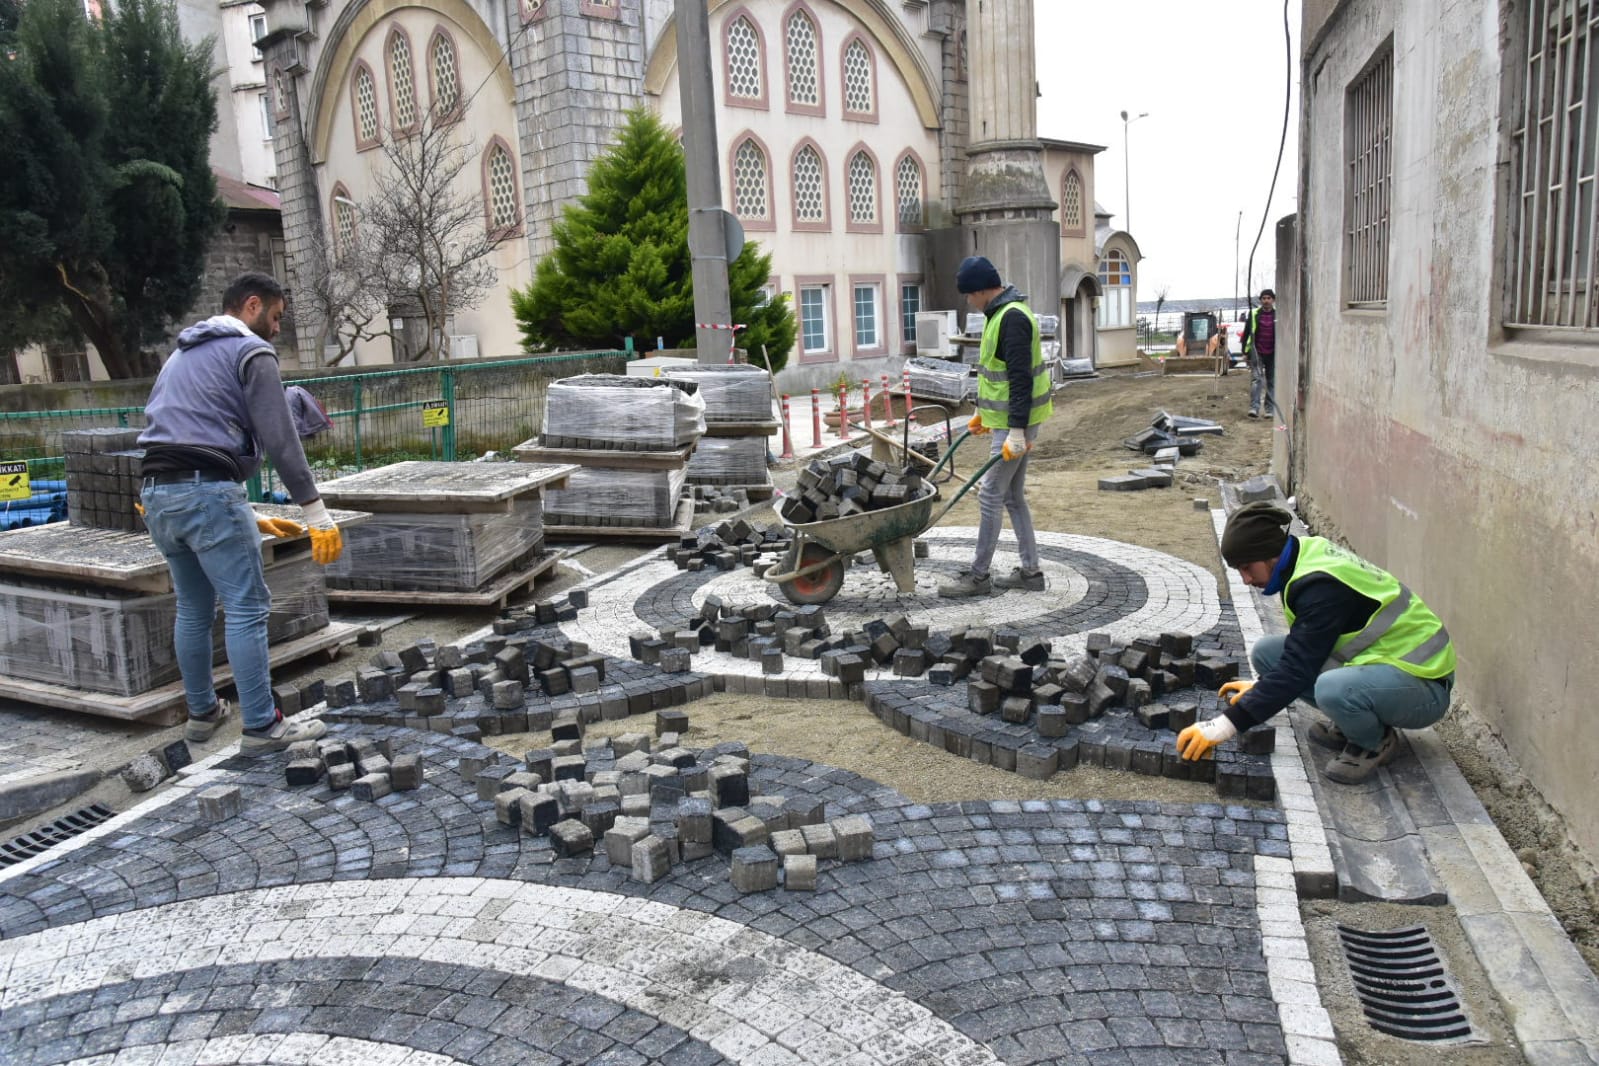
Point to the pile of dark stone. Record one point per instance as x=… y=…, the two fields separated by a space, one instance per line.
x=727 y=546
x=761 y=632
x=718 y=499
x=652 y=804
x=368 y=768
x=848 y=484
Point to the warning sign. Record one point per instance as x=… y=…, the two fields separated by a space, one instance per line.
x=14 y=482
x=435 y=413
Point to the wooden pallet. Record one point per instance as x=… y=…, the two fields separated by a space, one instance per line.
x=417 y=487
x=604 y=458
x=683 y=523
x=495 y=594
x=165 y=705
x=740 y=429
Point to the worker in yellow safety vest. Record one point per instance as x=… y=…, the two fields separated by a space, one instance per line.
x=1361 y=648
x=1013 y=395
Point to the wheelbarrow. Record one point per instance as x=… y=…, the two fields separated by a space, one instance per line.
x=813 y=570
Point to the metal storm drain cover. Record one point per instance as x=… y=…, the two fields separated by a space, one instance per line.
x=48 y=836
x=1402 y=984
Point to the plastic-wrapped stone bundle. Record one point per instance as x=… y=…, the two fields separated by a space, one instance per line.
x=437 y=552
x=735 y=393
x=616 y=498
x=1048 y=326
x=939 y=379
x=613 y=412
x=729 y=461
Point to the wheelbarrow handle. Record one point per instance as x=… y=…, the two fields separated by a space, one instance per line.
x=966 y=486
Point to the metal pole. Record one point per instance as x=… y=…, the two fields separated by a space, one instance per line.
x=707 y=239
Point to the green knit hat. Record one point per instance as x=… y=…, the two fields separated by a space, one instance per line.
x=1256 y=531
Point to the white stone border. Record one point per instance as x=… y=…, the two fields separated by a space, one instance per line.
x=269 y=1049
x=786 y=1005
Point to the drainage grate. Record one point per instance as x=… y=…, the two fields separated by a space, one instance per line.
x=48 y=836
x=1402 y=984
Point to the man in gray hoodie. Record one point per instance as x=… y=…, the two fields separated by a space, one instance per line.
x=216 y=406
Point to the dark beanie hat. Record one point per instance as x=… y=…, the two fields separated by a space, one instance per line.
x=1256 y=531
x=976 y=273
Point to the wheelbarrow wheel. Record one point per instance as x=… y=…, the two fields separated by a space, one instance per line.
x=817 y=587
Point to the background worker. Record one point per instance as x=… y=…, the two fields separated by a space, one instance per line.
x=216 y=405
x=1361 y=647
x=1260 y=348
x=1013 y=395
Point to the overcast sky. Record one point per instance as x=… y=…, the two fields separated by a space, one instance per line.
x=1211 y=76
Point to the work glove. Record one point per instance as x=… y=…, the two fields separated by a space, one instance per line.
x=1232 y=690
x=1015 y=445
x=278 y=527
x=1197 y=740
x=326 y=543
x=976 y=425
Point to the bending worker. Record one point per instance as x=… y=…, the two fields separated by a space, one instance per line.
x=1013 y=394
x=1361 y=648
x=216 y=405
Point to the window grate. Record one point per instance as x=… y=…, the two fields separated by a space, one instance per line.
x=502 y=188
x=366 y=104
x=743 y=60
x=1403 y=987
x=808 y=202
x=909 y=186
x=857 y=78
x=749 y=181
x=48 y=836
x=1369 y=119
x=401 y=77
x=1071 y=202
x=862 y=189
x=446 y=87
x=1553 y=153
x=802 y=82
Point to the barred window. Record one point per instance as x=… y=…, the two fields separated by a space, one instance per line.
x=743 y=60
x=503 y=207
x=1071 y=203
x=280 y=92
x=813 y=317
x=858 y=78
x=804 y=87
x=530 y=8
x=1116 y=282
x=1369 y=116
x=402 y=81
x=1555 y=256
x=809 y=202
x=343 y=222
x=866 y=317
x=749 y=181
x=446 y=80
x=366 y=106
x=862 y=189
x=908 y=186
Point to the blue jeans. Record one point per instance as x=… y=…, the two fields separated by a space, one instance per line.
x=207 y=532
x=1362 y=700
x=1004 y=489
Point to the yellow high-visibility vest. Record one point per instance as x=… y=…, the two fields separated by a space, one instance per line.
x=993 y=382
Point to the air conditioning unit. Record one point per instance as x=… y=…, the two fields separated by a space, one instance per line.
x=463 y=346
x=933 y=331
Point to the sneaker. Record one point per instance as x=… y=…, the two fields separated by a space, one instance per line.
x=1254 y=412
x=199 y=730
x=1030 y=580
x=967 y=584
x=1328 y=735
x=1354 y=764
x=280 y=734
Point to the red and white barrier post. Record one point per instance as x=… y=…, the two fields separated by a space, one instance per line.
x=907 y=393
x=788 y=441
x=816 y=418
x=866 y=401
x=843 y=413
x=888 y=403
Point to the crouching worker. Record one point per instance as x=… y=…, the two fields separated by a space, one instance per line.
x=1361 y=648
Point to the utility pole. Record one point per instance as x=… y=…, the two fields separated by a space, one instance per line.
x=1237 y=227
x=1127 y=173
x=707 y=238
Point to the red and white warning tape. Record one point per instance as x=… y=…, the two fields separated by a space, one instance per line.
x=719 y=325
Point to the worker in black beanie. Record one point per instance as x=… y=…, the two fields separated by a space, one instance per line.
x=1361 y=648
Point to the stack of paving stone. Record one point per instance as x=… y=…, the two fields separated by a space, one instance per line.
x=368 y=768
x=711 y=499
x=738 y=424
x=941 y=380
x=728 y=545
x=761 y=632
x=103 y=478
x=849 y=484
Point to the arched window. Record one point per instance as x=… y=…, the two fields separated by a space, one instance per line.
x=750 y=199
x=1071 y=203
x=908 y=191
x=504 y=202
x=342 y=211
x=860 y=94
x=801 y=45
x=402 y=81
x=810 y=188
x=445 y=69
x=1116 y=281
x=364 y=95
x=862 y=189
x=746 y=80
x=280 y=92
x=530 y=9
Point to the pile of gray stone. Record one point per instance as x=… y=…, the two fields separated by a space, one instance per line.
x=727 y=546
x=848 y=484
x=146 y=771
x=368 y=768
x=761 y=632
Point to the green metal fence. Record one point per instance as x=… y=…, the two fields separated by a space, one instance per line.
x=379 y=417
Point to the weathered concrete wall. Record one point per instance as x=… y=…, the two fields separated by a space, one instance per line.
x=1435 y=446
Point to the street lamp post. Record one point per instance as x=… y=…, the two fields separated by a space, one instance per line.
x=1127 y=182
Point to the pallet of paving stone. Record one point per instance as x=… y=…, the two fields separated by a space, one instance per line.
x=613 y=412
x=733 y=393
x=495 y=594
x=606 y=496
x=165 y=705
x=682 y=522
x=422 y=487
x=450 y=553
x=102 y=475
x=729 y=461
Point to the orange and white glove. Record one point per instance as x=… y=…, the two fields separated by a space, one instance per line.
x=1232 y=690
x=976 y=425
x=1199 y=739
x=278 y=527
x=326 y=542
x=1015 y=445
